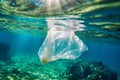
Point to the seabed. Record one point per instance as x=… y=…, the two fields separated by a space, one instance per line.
x=30 y=68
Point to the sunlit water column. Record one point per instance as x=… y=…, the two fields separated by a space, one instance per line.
x=57 y=6
x=61 y=41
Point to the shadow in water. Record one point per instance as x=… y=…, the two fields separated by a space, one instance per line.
x=4 y=52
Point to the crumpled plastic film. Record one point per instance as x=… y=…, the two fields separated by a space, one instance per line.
x=60 y=43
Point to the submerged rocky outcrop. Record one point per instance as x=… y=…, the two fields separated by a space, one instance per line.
x=83 y=70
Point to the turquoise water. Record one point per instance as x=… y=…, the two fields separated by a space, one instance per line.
x=25 y=34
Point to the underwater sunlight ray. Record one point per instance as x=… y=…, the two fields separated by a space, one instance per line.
x=58 y=6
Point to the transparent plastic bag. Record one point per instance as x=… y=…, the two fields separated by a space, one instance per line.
x=60 y=44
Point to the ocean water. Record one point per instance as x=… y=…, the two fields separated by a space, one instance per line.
x=96 y=23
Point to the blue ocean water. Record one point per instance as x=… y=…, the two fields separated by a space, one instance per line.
x=101 y=34
x=107 y=52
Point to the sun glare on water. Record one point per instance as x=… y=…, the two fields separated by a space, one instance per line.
x=53 y=6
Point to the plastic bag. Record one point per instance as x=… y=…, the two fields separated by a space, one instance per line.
x=60 y=43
